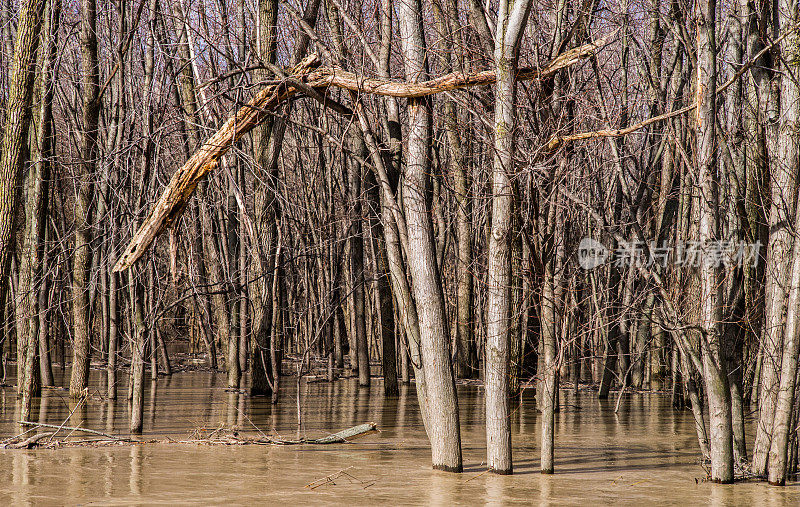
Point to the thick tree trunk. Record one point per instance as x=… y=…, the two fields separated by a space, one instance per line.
x=779 y=448
x=443 y=424
x=465 y=356
x=82 y=257
x=266 y=207
x=783 y=194
x=15 y=135
x=715 y=371
x=788 y=150
x=498 y=303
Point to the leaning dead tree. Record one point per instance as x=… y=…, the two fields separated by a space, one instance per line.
x=309 y=78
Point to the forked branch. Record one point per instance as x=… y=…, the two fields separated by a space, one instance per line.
x=305 y=75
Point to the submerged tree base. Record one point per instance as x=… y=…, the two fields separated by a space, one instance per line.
x=445 y=468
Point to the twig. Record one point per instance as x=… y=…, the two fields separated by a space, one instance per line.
x=327 y=478
x=557 y=142
x=330 y=478
x=80 y=402
x=4 y=442
x=480 y=474
x=74 y=428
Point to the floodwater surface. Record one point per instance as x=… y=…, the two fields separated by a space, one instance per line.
x=644 y=453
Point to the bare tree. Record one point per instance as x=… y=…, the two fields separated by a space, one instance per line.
x=511 y=20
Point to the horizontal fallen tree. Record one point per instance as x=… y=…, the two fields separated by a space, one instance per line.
x=303 y=77
x=222 y=436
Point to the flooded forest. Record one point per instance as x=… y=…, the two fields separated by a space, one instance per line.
x=399 y=251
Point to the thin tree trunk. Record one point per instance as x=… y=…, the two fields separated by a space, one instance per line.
x=113 y=334
x=356 y=271
x=384 y=291
x=138 y=345
x=28 y=311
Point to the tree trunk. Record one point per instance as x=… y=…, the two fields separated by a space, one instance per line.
x=384 y=290
x=81 y=352
x=356 y=258
x=498 y=311
x=267 y=209
x=443 y=425
x=782 y=184
x=29 y=311
x=113 y=335
x=779 y=448
x=138 y=345
x=715 y=371
x=788 y=149
x=15 y=130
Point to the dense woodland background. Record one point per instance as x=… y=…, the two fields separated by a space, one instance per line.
x=370 y=230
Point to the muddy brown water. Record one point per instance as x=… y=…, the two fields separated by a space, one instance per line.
x=646 y=453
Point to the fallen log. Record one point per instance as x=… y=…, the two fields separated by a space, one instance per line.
x=223 y=436
x=335 y=438
x=305 y=76
x=346 y=435
x=29 y=443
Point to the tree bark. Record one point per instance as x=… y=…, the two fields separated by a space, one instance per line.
x=443 y=427
x=715 y=371
x=788 y=151
x=90 y=76
x=28 y=311
x=512 y=18
x=15 y=130
x=266 y=212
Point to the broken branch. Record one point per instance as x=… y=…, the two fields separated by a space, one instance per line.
x=557 y=142
x=183 y=183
